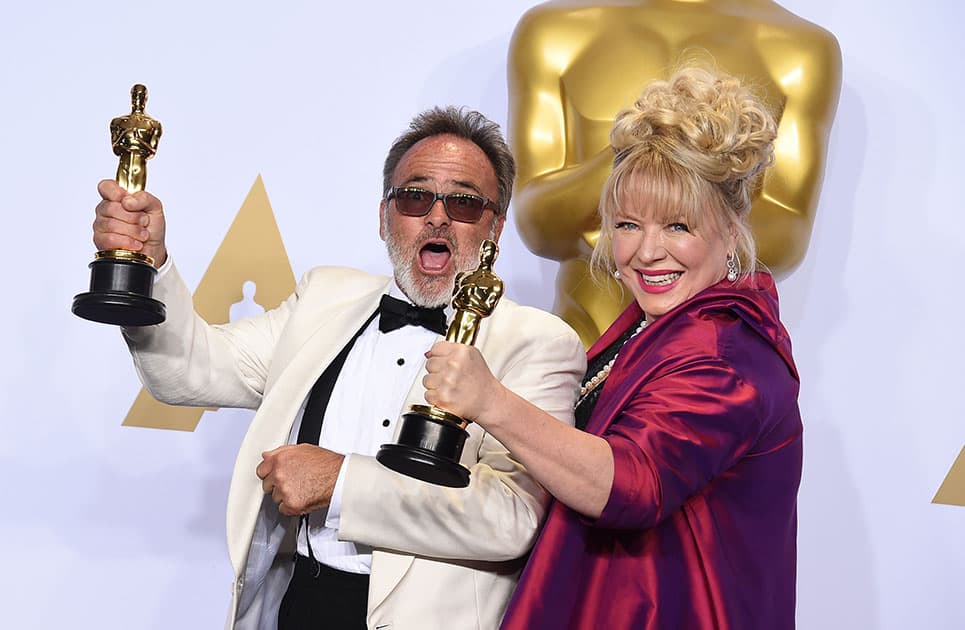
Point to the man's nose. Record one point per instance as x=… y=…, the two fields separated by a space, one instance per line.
x=437 y=214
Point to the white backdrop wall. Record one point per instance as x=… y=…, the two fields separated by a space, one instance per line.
x=106 y=527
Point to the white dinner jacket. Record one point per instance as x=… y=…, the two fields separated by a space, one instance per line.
x=445 y=558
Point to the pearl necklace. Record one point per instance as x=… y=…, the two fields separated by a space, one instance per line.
x=604 y=372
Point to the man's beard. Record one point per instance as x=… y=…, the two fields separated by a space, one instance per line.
x=435 y=290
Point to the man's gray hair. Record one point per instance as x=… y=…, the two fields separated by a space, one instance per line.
x=467 y=124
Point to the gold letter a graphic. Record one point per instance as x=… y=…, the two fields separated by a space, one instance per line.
x=251 y=251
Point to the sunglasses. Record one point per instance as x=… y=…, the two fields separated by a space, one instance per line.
x=417 y=202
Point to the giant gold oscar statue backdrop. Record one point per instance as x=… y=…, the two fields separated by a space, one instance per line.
x=574 y=65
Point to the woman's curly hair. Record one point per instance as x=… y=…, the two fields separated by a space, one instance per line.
x=698 y=141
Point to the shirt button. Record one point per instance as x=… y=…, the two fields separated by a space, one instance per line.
x=400 y=361
x=386 y=422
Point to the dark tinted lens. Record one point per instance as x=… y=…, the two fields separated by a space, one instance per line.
x=416 y=202
x=413 y=201
x=463 y=207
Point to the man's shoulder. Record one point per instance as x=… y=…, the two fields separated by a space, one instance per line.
x=518 y=337
x=529 y=321
x=331 y=286
x=342 y=279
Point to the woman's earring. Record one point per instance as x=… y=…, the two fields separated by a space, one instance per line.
x=616 y=274
x=732 y=267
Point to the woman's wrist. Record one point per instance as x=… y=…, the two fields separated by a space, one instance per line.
x=496 y=410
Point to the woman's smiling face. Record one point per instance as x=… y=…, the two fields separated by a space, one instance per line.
x=665 y=262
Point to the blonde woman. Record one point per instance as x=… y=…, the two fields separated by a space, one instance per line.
x=675 y=507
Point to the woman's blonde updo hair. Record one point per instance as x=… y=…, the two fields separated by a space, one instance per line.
x=696 y=142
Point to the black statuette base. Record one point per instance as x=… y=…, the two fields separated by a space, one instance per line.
x=120 y=294
x=429 y=450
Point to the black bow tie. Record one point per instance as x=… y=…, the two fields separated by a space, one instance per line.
x=394 y=314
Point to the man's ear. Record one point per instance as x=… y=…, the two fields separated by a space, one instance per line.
x=498 y=224
x=383 y=206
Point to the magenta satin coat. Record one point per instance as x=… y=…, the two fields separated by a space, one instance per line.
x=700 y=528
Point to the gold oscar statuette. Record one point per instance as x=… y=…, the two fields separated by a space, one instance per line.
x=431 y=439
x=121 y=281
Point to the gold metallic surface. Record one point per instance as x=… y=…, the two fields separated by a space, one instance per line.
x=439 y=414
x=135 y=137
x=574 y=65
x=123 y=254
x=474 y=296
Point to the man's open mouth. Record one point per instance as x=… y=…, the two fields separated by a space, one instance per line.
x=435 y=255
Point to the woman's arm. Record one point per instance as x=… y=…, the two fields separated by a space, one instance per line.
x=575 y=467
x=685 y=423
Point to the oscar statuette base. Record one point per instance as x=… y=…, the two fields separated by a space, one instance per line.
x=120 y=291
x=429 y=447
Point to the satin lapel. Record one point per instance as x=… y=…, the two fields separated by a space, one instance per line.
x=613 y=399
x=614 y=394
x=272 y=424
x=631 y=314
x=629 y=371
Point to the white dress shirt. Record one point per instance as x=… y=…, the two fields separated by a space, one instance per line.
x=361 y=416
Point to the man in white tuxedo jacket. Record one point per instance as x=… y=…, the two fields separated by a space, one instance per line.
x=371 y=548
